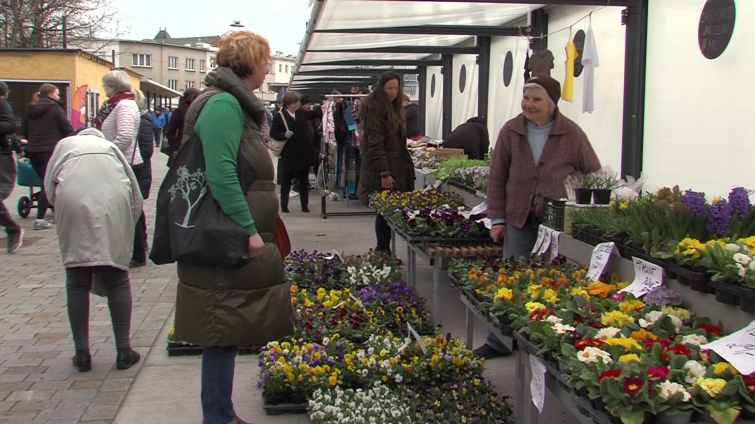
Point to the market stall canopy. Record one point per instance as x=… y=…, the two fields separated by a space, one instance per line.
x=151 y=87
x=349 y=37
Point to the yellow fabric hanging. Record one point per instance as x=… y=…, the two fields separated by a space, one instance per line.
x=571 y=55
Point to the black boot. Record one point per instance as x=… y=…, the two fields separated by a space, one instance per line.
x=82 y=361
x=126 y=359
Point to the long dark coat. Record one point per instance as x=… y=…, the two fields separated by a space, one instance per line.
x=299 y=152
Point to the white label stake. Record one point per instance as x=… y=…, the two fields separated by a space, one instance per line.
x=554 y=244
x=600 y=256
x=647 y=277
x=546 y=241
x=540 y=237
x=537 y=385
x=738 y=348
x=416 y=335
x=358 y=302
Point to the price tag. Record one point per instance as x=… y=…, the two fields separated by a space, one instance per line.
x=537 y=385
x=481 y=208
x=358 y=302
x=554 y=244
x=600 y=256
x=486 y=222
x=738 y=348
x=540 y=238
x=437 y=184
x=416 y=335
x=647 y=276
x=546 y=241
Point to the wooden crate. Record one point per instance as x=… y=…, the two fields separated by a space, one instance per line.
x=446 y=154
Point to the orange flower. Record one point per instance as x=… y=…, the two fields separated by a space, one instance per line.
x=601 y=290
x=294 y=289
x=643 y=334
x=502 y=279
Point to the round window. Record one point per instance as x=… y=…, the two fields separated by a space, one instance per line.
x=508 y=68
x=463 y=78
x=579 y=43
x=716 y=27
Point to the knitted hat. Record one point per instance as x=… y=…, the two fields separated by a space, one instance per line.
x=550 y=85
x=305 y=101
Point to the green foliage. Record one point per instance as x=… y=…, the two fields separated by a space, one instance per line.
x=443 y=173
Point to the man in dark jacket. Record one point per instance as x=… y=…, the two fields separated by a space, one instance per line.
x=472 y=136
x=412 y=119
x=8 y=171
x=143 y=174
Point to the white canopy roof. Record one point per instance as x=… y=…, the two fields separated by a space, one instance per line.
x=355 y=14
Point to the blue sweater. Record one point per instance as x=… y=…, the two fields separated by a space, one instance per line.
x=158 y=121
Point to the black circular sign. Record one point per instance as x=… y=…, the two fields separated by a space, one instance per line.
x=716 y=27
x=432 y=86
x=579 y=43
x=462 y=78
x=508 y=68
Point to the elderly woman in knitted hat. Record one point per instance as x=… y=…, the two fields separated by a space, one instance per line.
x=534 y=154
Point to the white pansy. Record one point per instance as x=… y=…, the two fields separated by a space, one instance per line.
x=742 y=258
x=695 y=370
x=607 y=333
x=695 y=339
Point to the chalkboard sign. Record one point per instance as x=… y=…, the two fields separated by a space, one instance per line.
x=716 y=27
x=432 y=86
x=462 y=78
x=508 y=68
x=579 y=43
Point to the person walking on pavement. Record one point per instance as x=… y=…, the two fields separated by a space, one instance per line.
x=158 y=123
x=174 y=131
x=8 y=170
x=168 y=114
x=46 y=124
x=144 y=177
x=534 y=154
x=97 y=204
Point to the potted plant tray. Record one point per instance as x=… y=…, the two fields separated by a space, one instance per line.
x=732 y=293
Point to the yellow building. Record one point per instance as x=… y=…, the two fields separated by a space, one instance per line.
x=24 y=70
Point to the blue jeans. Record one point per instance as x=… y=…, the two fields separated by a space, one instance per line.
x=517 y=242
x=218 y=365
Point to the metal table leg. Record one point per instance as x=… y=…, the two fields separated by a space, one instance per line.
x=411 y=265
x=393 y=242
x=470 y=328
x=519 y=388
x=436 y=292
x=413 y=270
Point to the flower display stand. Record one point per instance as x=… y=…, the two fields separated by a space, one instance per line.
x=470 y=196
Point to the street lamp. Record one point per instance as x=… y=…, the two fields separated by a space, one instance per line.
x=237 y=24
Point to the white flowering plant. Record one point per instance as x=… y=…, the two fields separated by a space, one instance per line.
x=733 y=262
x=377 y=404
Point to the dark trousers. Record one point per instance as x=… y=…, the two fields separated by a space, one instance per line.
x=383 y=234
x=158 y=136
x=78 y=284
x=140 y=240
x=7 y=181
x=286 y=181
x=218 y=367
x=39 y=163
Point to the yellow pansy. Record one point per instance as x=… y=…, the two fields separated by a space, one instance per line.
x=712 y=386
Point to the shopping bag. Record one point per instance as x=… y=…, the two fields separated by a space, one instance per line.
x=276 y=146
x=190 y=225
x=280 y=238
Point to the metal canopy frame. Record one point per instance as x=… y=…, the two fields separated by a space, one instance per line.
x=328 y=61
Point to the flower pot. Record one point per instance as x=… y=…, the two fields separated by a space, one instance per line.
x=563 y=366
x=275 y=399
x=704 y=417
x=583 y=392
x=724 y=294
x=584 y=196
x=744 y=295
x=681 y=418
x=598 y=404
x=297 y=399
x=601 y=196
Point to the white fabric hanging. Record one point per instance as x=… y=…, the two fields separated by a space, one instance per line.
x=590 y=62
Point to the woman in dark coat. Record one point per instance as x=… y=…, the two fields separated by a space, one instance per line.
x=174 y=131
x=386 y=162
x=144 y=177
x=299 y=153
x=46 y=124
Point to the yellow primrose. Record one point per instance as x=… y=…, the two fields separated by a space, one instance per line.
x=534 y=306
x=680 y=313
x=712 y=386
x=550 y=296
x=504 y=294
x=578 y=291
x=615 y=319
x=631 y=305
x=534 y=291
x=626 y=343
x=624 y=205
x=629 y=357
x=722 y=367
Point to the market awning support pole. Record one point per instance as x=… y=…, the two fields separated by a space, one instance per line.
x=635 y=18
x=448 y=88
x=422 y=82
x=483 y=82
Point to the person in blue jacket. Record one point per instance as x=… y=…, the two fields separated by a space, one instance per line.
x=158 y=123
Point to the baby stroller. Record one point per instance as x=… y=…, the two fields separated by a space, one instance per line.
x=27 y=177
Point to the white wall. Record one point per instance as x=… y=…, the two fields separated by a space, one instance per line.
x=504 y=102
x=698 y=112
x=434 y=104
x=604 y=126
x=464 y=104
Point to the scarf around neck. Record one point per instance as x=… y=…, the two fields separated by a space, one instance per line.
x=108 y=107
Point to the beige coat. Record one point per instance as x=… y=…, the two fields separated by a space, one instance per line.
x=97 y=201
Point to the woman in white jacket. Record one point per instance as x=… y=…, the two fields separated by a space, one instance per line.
x=97 y=204
x=119 y=116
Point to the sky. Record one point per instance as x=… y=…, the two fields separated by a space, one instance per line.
x=282 y=22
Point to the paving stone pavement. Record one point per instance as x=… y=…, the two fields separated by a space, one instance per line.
x=38 y=383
